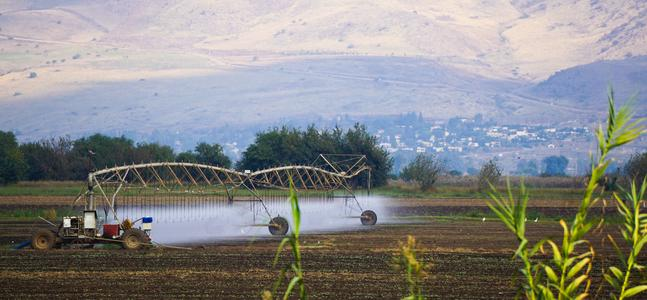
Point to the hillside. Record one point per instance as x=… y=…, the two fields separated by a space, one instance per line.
x=76 y=67
x=587 y=84
x=261 y=95
x=523 y=39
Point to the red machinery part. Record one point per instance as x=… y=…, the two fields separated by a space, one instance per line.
x=110 y=230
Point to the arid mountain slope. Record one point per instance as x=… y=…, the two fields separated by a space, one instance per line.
x=523 y=39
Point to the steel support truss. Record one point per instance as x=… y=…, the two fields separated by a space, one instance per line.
x=106 y=187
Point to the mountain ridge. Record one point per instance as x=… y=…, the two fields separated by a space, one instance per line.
x=77 y=67
x=496 y=39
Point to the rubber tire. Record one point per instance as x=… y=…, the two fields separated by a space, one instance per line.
x=369 y=217
x=134 y=239
x=43 y=239
x=279 y=226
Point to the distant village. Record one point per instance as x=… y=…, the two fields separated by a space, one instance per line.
x=467 y=135
x=463 y=143
x=467 y=142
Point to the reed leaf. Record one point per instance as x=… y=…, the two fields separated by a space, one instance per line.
x=295 y=266
x=635 y=236
x=571 y=277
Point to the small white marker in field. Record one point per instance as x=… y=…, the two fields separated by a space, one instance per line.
x=483 y=219
x=537 y=219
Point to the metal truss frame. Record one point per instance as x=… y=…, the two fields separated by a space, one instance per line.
x=332 y=174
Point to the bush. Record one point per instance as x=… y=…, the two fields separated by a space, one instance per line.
x=490 y=173
x=423 y=170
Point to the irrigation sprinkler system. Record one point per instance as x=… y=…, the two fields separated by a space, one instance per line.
x=178 y=191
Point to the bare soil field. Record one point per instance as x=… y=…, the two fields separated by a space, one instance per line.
x=469 y=259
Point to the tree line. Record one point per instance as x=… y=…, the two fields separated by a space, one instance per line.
x=425 y=169
x=66 y=159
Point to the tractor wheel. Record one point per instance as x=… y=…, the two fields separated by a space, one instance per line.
x=134 y=239
x=43 y=239
x=368 y=217
x=279 y=226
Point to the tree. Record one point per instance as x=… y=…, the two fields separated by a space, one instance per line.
x=280 y=146
x=455 y=173
x=99 y=151
x=424 y=170
x=554 y=166
x=636 y=167
x=65 y=159
x=284 y=146
x=490 y=173
x=472 y=171
x=212 y=155
x=48 y=159
x=187 y=156
x=206 y=154
x=358 y=140
x=12 y=165
x=152 y=153
x=527 y=167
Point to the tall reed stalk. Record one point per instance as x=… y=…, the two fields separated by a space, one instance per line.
x=567 y=275
x=634 y=232
x=414 y=269
x=295 y=266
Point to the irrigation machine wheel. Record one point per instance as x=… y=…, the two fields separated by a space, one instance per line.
x=134 y=239
x=279 y=226
x=43 y=239
x=368 y=217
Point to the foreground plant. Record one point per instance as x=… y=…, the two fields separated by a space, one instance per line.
x=414 y=269
x=294 y=266
x=635 y=235
x=567 y=275
x=513 y=214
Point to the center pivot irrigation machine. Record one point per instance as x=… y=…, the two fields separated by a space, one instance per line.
x=177 y=191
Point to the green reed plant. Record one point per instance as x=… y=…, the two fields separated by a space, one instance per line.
x=634 y=232
x=414 y=269
x=567 y=275
x=295 y=266
x=512 y=211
